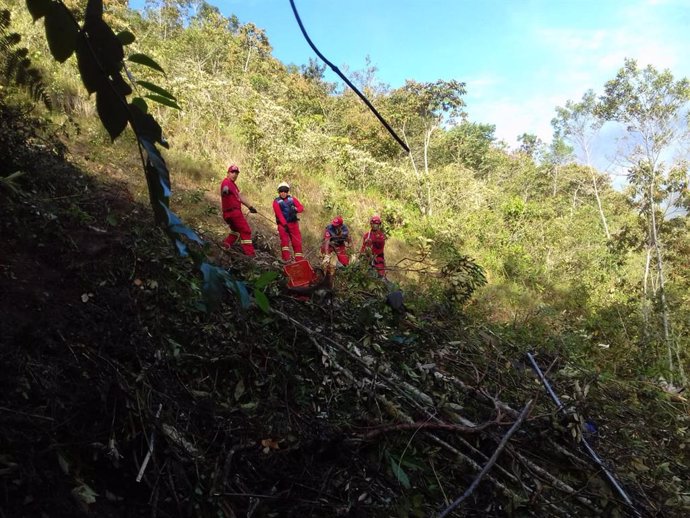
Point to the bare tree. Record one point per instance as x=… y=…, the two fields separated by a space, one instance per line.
x=653 y=108
x=578 y=124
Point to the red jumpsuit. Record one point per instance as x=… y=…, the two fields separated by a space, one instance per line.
x=232 y=214
x=286 y=210
x=374 y=241
x=337 y=237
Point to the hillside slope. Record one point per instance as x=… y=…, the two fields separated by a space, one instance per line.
x=119 y=397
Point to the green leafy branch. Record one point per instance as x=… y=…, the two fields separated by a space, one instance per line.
x=259 y=284
x=100 y=60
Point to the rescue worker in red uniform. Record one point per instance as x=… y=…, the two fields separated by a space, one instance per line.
x=372 y=244
x=336 y=241
x=232 y=201
x=286 y=208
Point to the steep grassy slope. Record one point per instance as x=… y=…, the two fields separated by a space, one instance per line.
x=335 y=410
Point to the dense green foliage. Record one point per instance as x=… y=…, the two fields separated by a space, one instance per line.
x=564 y=252
x=534 y=242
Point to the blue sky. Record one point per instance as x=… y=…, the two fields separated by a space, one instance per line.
x=519 y=59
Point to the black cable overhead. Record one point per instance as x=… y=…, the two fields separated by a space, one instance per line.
x=347 y=81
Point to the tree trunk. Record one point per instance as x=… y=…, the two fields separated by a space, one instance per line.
x=574 y=202
x=420 y=194
x=645 y=298
x=246 y=63
x=599 y=206
x=660 y=276
x=427 y=179
x=596 y=193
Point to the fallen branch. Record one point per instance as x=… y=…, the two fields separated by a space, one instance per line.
x=500 y=485
x=476 y=393
x=555 y=482
x=396 y=413
x=491 y=461
x=432 y=426
x=466 y=423
x=586 y=446
x=423 y=402
x=18 y=412
x=414 y=395
x=151 y=444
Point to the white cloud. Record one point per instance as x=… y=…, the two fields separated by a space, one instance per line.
x=568 y=39
x=574 y=60
x=484 y=86
x=515 y=117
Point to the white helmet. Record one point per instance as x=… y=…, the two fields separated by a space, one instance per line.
x=283 y=186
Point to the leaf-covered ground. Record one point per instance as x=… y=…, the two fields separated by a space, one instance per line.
x=118 y=397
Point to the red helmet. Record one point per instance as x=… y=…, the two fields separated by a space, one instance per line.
x=337 y=221
x=375 y=219
x=233 y=169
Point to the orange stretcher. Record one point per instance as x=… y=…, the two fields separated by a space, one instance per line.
x=299 y=274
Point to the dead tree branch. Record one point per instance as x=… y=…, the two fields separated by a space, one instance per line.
x=491 y=461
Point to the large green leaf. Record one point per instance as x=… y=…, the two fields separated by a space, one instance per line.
x=143 y=59
x=176 y=226
x=180 y=246
x=157 y=89
x=216 y=282
x=158 y=203
x=61 y=31
x=126 y=37
x=400 y=474
x=91 y=74
x=120 y=84
x=240 y=289
x=140 y=103
x=213 y=287
x=163 y=100
x=38 y=8
x=154 y=157
x=265 y=279
x=144 y=124
x=176 y=230
x=158 y=181
x=262 y=301
x=94 y=10
x=104 y=44
x=112 y=111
